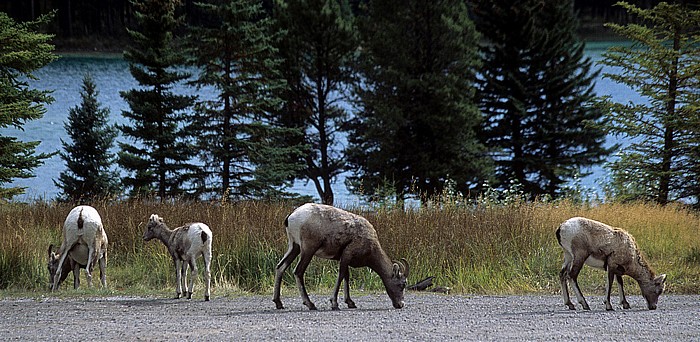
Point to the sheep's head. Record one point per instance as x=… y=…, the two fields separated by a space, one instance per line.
x=154 y=222
x=52 y=264
x=397 y=284
x=652 y=290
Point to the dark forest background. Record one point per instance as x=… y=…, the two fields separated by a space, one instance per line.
x=100 y=24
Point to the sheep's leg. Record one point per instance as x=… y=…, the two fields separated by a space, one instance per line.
x=608 y=289
x=103 y=274
x=299 y=276
x=282 y=265
x=178 y=276
x=183 y=279
x=76 y=275
x=576 y=267
x=207 y=273
x=193 y=276
x=90 y=263
x=621 y=290
x=563 y=281
x=342 y=275
x=57 y=277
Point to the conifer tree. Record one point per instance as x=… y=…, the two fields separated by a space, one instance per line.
x=87 y=155
x=23 y=50
x=239 y=131
x=534 y=91
x=159 y=150
x=318 y=51
x=662 y=161
x=417 y=122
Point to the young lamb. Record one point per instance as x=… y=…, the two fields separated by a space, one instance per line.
x=331 y=233
x=184 y=244
x=611 y=249
x=82 y=230
x=78 y=252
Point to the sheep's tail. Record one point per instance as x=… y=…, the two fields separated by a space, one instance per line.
x=286 y=221
x=80 y=219
x=204 y=236
x=559 y=236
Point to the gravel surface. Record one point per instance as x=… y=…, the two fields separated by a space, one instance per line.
x=426 y=317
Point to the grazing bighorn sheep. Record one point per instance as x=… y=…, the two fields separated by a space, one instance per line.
x=611 y=249
x=78 y=252
x=185 y=244
x=82 y=230
x=331 y=233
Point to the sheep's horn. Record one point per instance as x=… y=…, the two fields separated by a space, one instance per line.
x=404 y=262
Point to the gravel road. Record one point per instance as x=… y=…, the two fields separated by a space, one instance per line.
x=426 y=317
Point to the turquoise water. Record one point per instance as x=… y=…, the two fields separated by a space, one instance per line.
x=111 y=76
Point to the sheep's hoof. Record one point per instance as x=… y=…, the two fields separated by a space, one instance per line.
x=571 y=306
x=351 y=304
x=278 y=304
x=189 y=295
x=311 y=306
x=625 y=305
x=335 y=308
x=177 y=296
x=586 y=307
x=206 y=298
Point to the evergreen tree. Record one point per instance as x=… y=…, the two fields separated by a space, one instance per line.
x=534 y=90
x=88 y=159
x=318 y=51
x=22 y=51
x=417 y=122
x=662 y=161
x=159 y=155
x=239 y=130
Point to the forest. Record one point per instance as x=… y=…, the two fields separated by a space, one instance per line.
x=81 y=21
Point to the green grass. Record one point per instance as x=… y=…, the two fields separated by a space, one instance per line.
x=495 y=249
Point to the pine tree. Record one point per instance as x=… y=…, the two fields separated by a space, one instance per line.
x=662 y=161
x=88 y=159
x=318 y=52
x=159 y=154
x=417 y=123
x=239 y=130
x=23 y=50
x=535 y=88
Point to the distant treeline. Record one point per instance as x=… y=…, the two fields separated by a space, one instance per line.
x=107 y=19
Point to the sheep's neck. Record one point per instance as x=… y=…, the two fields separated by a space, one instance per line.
x=382 y=265
x=164 y=235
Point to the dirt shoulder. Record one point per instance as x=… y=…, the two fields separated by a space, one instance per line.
x=425 y=317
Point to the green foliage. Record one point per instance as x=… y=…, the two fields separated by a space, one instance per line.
x=239 y=133
x=23 y=50
x=662 y=161
x=534 y=91
x=88 y=159
x=159 y=150
x=318 y=53
x=416 y=121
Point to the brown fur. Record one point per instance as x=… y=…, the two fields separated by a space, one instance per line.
x=612 y=249
x=331 y=233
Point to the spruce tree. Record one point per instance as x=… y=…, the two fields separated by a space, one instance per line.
x=318 y=53
x=88 y=159
x=159 y=150
x=662 y=161
x=23 y=50
x=534 y=90
x=239 y=132
x=417 y=122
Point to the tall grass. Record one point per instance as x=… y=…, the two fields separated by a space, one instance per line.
x=494 y=249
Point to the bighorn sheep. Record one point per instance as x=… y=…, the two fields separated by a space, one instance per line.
x=185 y=244
x=331 y=233
x=611 y=249
x=78 y=252
x=82 y=230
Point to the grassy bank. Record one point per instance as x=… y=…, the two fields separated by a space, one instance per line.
x=491 y=249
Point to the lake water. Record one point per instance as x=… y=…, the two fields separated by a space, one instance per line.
x=111 y=76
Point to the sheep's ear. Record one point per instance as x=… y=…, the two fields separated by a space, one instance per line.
x=50 y=250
